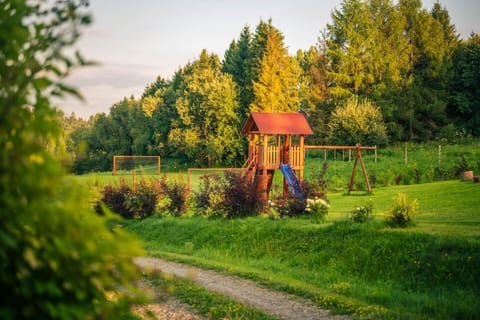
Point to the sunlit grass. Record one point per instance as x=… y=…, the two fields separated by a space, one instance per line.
x=428 y=270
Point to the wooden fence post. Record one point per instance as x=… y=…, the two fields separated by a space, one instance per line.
x=439 y=156
x=134 y=174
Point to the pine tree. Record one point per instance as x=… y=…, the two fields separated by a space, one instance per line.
x=349 y=48
x=465 y=89
x=277 y=87
x=258 y=48
x=236 y=63
x=422 y=103
x=366 y=47
x=314 y=96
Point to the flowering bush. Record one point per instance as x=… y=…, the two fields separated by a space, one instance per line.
x=273 y=210
x=402 y=211
x=363 y=213
x=317 y=207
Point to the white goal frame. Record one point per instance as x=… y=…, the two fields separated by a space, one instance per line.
x=115 y=158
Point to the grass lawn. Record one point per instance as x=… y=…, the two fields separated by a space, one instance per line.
x=446 y=207
x=429 y=270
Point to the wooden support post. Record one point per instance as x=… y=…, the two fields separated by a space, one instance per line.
x=279 y=151
x=352 y=178
x=134 y=174
x=189 y=186
x=358 y=156
x=369 y=188
x=302 y=157
x=264 y=180
x=265 y=152
x=251 y=147
x=439 y=156
x=406 y=155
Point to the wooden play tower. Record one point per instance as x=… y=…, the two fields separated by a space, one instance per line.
x=271 y=138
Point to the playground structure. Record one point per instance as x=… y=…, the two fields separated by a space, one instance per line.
x=276 y=141
x=270 y=148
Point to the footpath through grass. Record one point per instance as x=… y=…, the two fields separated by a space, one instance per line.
x=208 y=304
x=430 y=270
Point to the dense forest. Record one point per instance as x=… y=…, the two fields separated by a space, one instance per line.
x=380 y=73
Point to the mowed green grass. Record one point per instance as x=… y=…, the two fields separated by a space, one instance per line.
x=446 y=207
x=429 y=270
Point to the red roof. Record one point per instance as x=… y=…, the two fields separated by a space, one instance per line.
x=277 y=123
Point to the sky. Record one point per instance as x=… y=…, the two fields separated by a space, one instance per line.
x=134 y=42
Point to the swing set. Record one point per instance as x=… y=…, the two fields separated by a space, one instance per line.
x=358 y=158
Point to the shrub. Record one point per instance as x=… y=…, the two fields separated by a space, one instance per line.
x=208 y=200
x=357 y=122
x=176 y=193
x=314 y=202
x=240 y=198
x=290 y=207
x=363 y=213
x=317 y=208
x=142 y=201
x=313 y=190
x=139 y=202
x=114 y=198
x=231 y=196
x=402 y=211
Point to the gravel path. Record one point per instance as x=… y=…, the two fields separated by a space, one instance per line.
x=170 y=309
x=163 y=306
x=275 y=303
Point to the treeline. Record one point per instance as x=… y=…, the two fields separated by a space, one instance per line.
x=380 y=72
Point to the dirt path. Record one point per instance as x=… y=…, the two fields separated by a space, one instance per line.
x=163 y=306
x=275 y=303
x=169 y=309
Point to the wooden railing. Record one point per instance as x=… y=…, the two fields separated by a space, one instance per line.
x=273 y=156
x=295 y=156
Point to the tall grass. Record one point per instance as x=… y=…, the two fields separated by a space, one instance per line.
x=430 y=270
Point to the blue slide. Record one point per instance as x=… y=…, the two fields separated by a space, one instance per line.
x=293 y=183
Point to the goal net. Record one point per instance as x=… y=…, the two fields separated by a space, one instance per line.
x=146 y=165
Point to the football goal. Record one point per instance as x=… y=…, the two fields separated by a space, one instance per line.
x=147 y=165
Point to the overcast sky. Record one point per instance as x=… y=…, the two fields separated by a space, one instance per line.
x=133 y=42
